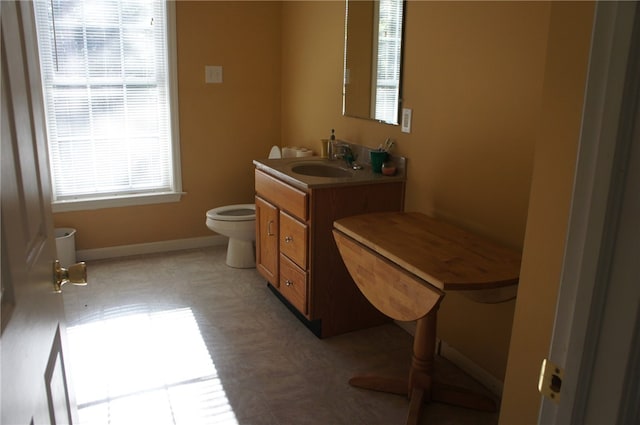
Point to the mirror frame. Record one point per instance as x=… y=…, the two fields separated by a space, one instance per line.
x=359 y=85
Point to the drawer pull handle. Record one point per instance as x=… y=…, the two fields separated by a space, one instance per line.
x=288 y=239
x=269 y=233
x=288 y=282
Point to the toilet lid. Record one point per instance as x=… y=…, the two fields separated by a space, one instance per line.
x=242 y=212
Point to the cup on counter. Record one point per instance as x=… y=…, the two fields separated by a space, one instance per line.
x=389 y=168
x=377 y=159
x=324 y=148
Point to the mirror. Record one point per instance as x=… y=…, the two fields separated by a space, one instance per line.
x=373 y=59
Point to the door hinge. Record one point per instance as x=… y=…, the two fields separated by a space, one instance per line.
x=550 y=381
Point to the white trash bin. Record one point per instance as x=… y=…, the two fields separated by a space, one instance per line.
x=66 y=246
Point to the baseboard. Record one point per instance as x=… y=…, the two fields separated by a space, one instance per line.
x=490 y=382
x=150 y=248
x=493 y=384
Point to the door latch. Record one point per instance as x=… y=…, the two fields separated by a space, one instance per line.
x=550 y=381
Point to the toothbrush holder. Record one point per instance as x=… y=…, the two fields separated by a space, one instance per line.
x=377 y=159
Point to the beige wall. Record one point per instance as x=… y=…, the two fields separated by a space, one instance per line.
x=476 y=76
x=223 y=127
x=551 y=188
x=473 y=76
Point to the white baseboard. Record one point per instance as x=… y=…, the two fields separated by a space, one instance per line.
x=493 y=384
x=490 y=382
x=149 y=248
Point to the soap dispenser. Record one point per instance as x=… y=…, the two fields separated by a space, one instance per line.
x=332 y=141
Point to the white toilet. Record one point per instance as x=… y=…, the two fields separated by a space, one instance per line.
x=238 y=223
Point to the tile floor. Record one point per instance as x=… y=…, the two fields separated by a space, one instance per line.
x=182 y=339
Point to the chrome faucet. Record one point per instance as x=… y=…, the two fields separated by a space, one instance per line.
x=341 y=150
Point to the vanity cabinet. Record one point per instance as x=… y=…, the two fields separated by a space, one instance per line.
x=297 y=255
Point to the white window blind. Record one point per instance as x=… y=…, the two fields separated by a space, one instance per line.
x=389 y=58
x=105 y=70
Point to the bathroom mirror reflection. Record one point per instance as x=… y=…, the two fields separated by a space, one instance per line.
x=373 y=59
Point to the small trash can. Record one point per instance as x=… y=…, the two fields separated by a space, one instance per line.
x=66 y=246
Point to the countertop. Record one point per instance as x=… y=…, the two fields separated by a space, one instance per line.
x=281 y=168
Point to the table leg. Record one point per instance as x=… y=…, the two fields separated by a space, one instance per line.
x=421 y=387
x=381 y=383
x=421 y=372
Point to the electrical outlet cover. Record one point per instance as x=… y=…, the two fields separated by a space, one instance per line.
x=406 y=120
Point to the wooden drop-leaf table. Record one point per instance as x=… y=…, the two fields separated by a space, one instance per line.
x=404 y=263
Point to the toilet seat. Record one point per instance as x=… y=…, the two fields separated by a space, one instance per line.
x=239 y=212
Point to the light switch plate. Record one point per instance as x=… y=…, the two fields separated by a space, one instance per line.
x=213 y=74
x=406 y=120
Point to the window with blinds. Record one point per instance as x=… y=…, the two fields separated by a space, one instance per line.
x=108 y=91
x=389 y=57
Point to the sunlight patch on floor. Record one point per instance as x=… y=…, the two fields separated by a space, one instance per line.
x=143 y=367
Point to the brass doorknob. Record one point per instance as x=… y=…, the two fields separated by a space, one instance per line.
x=76 y=274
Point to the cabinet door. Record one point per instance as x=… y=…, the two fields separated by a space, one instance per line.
x=267 y=240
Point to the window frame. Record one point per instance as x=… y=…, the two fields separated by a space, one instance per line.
x=144 y=198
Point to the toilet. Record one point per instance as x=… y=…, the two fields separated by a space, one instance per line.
x=238 y=223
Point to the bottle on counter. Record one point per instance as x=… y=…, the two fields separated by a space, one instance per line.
x=332 y=141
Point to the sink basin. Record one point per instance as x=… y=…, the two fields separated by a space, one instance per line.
x=320 y=170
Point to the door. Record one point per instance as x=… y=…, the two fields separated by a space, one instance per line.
x=34 y=387
x=596 y=337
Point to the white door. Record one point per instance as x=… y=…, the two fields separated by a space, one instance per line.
x=596 y=336
x=34 y=384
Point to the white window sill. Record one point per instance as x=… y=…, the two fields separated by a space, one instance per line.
x=121 y=201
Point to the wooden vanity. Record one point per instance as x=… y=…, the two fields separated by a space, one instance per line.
x=296 y=252
x=404 y=263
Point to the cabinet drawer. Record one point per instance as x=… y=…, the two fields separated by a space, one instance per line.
x=281 y=194
x=293 y=284
x=293 y=239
